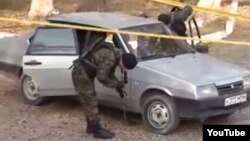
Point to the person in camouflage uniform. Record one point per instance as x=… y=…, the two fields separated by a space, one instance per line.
x=102 y=64
x=176 y=19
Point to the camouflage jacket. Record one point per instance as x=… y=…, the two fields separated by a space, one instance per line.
x=105 y=59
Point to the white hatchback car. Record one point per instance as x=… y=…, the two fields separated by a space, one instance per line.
x=171 y=81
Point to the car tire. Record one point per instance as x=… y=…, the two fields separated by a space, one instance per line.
x=29 y=91
x=161 y=104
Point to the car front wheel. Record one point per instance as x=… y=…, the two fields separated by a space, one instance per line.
x=159 y=113
x=30 y=91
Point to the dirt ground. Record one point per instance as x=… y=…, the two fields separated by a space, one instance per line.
x=62 y=119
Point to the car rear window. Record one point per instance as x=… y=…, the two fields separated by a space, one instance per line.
x=53 y=41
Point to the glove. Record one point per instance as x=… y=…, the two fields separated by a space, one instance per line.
x=119 y=88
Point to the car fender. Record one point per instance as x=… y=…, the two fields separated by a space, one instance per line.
x=162 y=89
x=159 y=88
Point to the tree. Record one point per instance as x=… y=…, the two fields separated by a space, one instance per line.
x=209 y=3
x=41 y=9
x=203 y=18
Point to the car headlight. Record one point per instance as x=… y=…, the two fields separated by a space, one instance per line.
x=207 y=91
x=246 y=83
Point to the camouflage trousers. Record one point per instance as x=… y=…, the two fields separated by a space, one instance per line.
x=84 y=86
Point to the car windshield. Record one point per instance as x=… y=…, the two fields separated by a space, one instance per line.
x=152 y=47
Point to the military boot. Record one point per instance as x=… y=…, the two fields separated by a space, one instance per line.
x=95 y=128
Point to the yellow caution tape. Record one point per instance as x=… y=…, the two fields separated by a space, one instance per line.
x=205 y=10
x=45 y=23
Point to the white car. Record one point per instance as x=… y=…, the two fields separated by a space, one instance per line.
x=171 y=81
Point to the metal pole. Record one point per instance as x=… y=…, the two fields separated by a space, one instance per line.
x=124 y=94
x=124 y=106
x=104 y=5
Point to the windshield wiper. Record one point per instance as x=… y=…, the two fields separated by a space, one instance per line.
x=172 y=55
x=168 y=55
x=191 y=51
x=153 y=56
x=176 y=54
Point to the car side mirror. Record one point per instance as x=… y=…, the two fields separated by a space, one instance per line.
x=202 y=48
x=28 y=41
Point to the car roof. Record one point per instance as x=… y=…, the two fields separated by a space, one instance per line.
x=103 y=19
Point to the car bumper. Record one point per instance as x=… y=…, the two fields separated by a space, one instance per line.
x=202 y=109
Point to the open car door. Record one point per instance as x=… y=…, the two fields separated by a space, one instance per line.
x=48 y=58
x=12 y=50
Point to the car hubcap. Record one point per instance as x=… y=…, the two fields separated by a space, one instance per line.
x=30 y=89
x=158 y=115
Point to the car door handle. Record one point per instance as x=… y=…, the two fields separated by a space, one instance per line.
x=33 y=62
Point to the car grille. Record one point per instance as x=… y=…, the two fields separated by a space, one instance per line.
x=230 y=88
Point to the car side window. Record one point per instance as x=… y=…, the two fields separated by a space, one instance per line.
x=53 y=42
